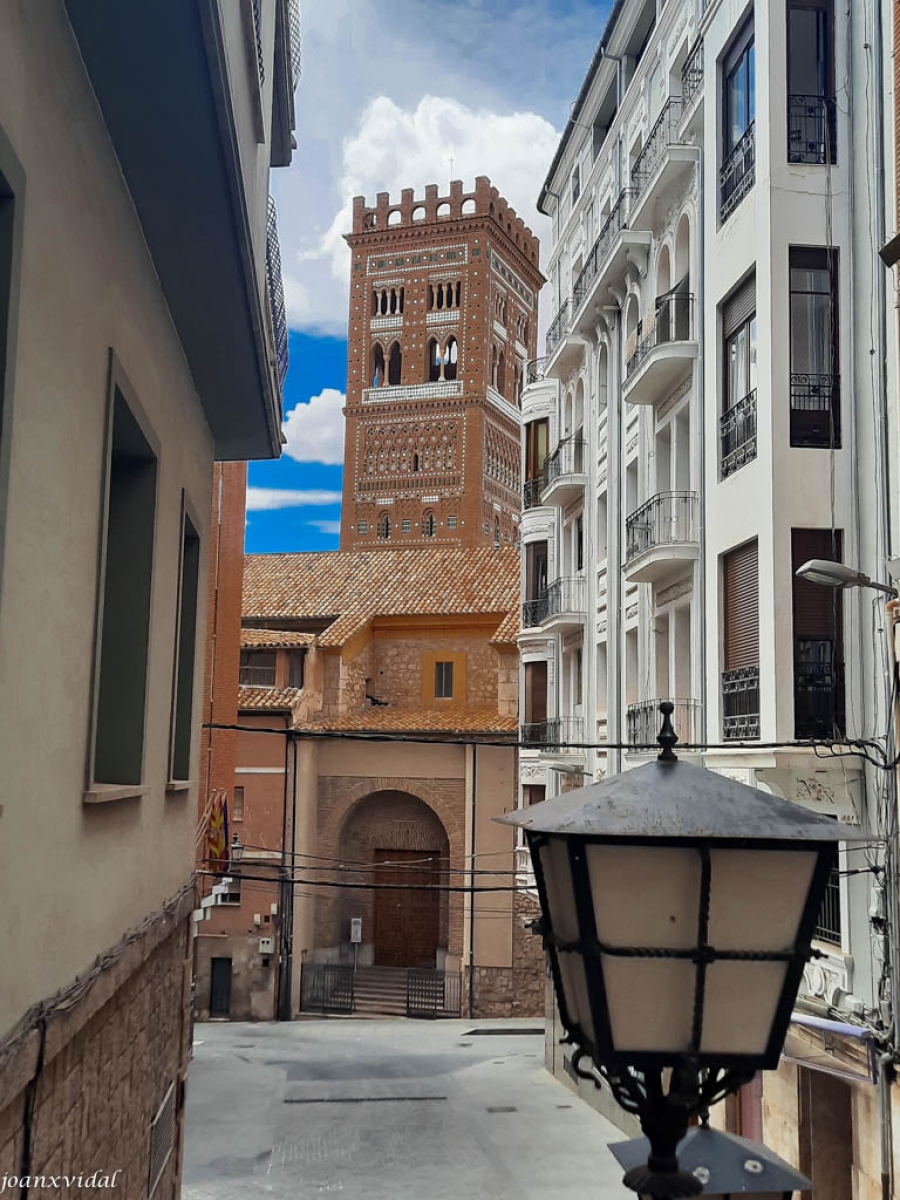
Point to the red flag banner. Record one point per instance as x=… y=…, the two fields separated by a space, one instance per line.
x=217 y=842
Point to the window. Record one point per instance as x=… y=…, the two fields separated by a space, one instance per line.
x=579 y=544
x=576 y=184
x=124 y=616
x=233 y=893
x=579 y=685
x=812 y=113
x=443 y=681
x=451 y=522
x=429 y=525
x=362 y=528
x=296 y=666
x=815 y=369
x=738 y=422
x=434 y=360
x=818 y=641
x=257 y=668
x=738 y=149
x=395 y=365
x=185 y=644
x=740 y=678
x=536 y=450
x=237 y=806
x=384 y=526
x=406 y=526
x=501 y=374
x=377 y=365
x=451 y=355
x=533 y=793
x=535 y=728
x=535 y=570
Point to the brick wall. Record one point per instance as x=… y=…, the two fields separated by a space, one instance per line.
x=517 y=991
x=103 y=1081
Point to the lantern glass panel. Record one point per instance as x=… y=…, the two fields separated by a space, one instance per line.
x=758 y=897
x=557 y=873
x=740 y=1006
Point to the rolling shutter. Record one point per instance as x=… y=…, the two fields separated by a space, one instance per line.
x=741 y=587
x=816 y=608
x=739 y=307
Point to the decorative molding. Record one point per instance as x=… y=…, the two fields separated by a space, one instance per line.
x=669 y=403
x=442 y=317
x=684 y=587
x=386 y=261
x=387 y=394
x=392 y=321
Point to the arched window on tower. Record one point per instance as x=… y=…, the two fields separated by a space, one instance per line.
x=415 y=463
x=494 y=353
x=458 y=291
x=384 y=526
x=393 y=304
x=384 y=301
x=395 y=365
x=429 y=525
x=496 y=533
x=440 y=295
x=451 y=355
x=377 y=365
x=501 y=374
x=518 y=385
x=434 y=361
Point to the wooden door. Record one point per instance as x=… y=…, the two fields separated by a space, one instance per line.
x=220 y=987
x=407 y=923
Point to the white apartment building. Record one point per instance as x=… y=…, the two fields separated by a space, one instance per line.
x=710 y=413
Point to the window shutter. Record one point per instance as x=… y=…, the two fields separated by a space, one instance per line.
x=816 y=608
x=739 y=307
x=535 y=693
x=741 y=587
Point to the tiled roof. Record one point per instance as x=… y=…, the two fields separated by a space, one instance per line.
x=509 y=628
x=271 y=639
x=472 y=718
x=261 y=699
x=439 y=581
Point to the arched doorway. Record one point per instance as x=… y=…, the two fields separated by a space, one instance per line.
x=394 y=841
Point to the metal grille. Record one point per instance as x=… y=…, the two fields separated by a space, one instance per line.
x=642 y=721
x=816 y=411
x=326 y=987
x=740 y=704
x=812 y=129
x=257 y=33
x=565 y=596
x=818 y=689
x=673 y=321
x=663 y=134
x=737 y=174
x=692 y=74
x=531 y=492
x=737 y=430
x=828 y=926
x=162 y=1139
x=558 y=329
x=669 y=518
x=276 y=291
x=534 y=612
x=433 y=993
x=296 y=41
x=566 y=459
x=613 y=225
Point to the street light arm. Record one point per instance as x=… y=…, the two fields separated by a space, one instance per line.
x=836 y=575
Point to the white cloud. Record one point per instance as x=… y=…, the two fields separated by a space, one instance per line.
x=315 y=431
x=260 y=498
x=395 y=147
x=330 y=527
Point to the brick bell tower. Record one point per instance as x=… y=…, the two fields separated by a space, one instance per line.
x=443 y=318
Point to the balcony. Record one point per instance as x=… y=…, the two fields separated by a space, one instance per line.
x=616 y=244
x=535 y=370
x=558 y=330
x=816 y=411
x=692 y=77
x=661 y=537
x=740 y=704
x=534 y=612
x=661 y=165
x=276 y=291
x=555 y=734
x=664 y=353
x=642 y=722
x=812 y=130
x=737 y=174
x=531 y=492
x=818 y=689
x=737 y=435
x=565 y=472
x=565 y=605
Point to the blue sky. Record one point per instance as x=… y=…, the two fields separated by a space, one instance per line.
x=390 y=90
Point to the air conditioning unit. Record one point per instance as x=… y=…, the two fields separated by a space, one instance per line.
x=267 y=945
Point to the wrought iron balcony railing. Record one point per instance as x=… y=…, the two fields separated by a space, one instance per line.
x=664 y=133
x=642 y=722
x=692 y=74
x=818 y=689
x=565 y=596
x=737 y=174
x=276 y=291
x=740 y=704
x=558 y=329
x=534 y=612
x=665 y=519
x=567 y=459
x=555 y=733
x=613 y=225
x=737 y=433
x=534 y=370
x=812 y=129
x=816 y=411
x=673 y=322
x=531 y=491
x=828 y=925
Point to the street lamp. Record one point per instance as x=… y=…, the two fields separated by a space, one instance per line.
x=724 y=1165
x=836 y=575
x=237 y=849
x=678 y=908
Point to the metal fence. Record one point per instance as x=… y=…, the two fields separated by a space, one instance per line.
x=326 y=987
x=276 y=291
x=531 y=491
x=812 y=129
x=642 y=721
x=565 y=596
x=567 y=459
x=666 y=519
x=558 y=329
x=816 y=411
x=329 y=988
x=737 y=435
x=613 y=225
x=673 y=321
x=663 y=134
x=828 y=925
x=433 y=993
x=737 y=174
x=818 y=689
x=740 y=704
x=692 y=74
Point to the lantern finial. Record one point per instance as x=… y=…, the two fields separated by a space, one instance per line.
x=667 y=737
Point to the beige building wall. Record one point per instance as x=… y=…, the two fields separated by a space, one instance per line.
x=87 y=286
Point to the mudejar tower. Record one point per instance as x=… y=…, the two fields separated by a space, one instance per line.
x=443 y=319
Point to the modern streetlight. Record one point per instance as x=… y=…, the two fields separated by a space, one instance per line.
x=678 y=909
x=836 y=575
x=725 y=1165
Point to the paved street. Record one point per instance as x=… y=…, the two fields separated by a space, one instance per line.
x=388 y=1110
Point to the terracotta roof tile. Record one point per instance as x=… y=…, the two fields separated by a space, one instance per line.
x=271 y=639
x=508 y=630
x=473 y=718
x=261 y=699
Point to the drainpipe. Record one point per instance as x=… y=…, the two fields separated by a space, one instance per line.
x=472 y=884
x=284 y=892
x=885 y=1078
x=700 y=601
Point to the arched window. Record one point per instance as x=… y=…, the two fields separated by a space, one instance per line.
x=395 y=364
x=415 y=463
x=429 y=525
x=440 y=295
x=393 y=305
x=377 y=365
x=434 y=361
x=501 y=374
x=496 y=533
x=451 y=355
x=384 y=526
x=402 y=295
x=458 y=291
x=375 y=304
x=384 y=301
x=493 y=366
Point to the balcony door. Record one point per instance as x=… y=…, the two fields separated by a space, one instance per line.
x=815 y=366
x=818 y=640
x=811 y=93
x=535 y=701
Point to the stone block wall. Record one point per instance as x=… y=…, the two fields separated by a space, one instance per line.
x=516 y=991
x=397 y=668
x=86 y=1100
x=508 y=684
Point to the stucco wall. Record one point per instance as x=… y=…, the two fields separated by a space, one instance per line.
x=87 y=285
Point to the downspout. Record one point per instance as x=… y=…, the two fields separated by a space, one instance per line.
x=472 y=883
x=700 y=606
x=283 y=893
x=885 y=1077
x=289 y=955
